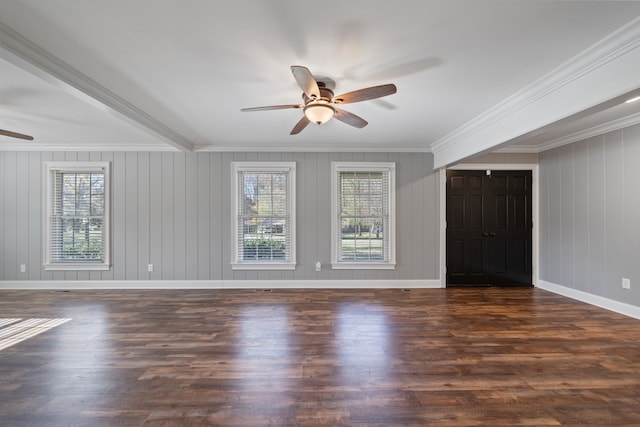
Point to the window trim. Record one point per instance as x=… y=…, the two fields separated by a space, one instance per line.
x=290 y=168
x=71 y=166
x=336 y=169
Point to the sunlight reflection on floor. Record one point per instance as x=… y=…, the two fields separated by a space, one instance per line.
x=13 y=331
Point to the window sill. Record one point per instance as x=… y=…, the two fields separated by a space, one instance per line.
x=263 y=266
x=363 y=266
x=76 y=267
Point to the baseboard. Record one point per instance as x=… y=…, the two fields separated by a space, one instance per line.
x=606 y=303
x=217 y=284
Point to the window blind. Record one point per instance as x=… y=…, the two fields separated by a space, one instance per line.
x=363 y=217
x=77 y=215
x=264 y=217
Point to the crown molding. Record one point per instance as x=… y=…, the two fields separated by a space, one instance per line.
x=111 y=147
x=582 y=135
x=152 y=147
x=545 y=100
x=25 y=54
x=312 y=149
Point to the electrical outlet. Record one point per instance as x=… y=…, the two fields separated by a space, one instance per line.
x=150 y=267
x=626 y=283
x=318 y=266
x=23 y=268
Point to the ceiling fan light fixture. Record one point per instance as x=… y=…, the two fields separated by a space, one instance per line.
x=319 y=104
x=318 y=112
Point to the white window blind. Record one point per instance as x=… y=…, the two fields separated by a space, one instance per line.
x=363 y=220
x=264 y=229
x=76 y=219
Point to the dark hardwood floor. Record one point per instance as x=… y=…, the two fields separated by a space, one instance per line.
x=441 y=357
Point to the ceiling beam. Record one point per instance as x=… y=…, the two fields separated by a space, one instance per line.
x=25 y=54
x=607 y=70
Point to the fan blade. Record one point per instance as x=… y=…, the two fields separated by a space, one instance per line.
x=350 y=118
x=15 y=134
x=306 y=81
x=272 y=107
x=365 y=94
x=300 y=125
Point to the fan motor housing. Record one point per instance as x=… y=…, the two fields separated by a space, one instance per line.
x=325 y=94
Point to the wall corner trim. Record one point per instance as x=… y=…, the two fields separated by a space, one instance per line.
x=217 y=284
x=606 y=303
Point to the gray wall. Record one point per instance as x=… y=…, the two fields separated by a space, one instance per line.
x=172 y=210
x=590 y=215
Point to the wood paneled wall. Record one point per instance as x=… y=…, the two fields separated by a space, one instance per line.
x=590 y=215
x=173 y=210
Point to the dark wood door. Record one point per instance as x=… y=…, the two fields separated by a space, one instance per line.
x=489 y=228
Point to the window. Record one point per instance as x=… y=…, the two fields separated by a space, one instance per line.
x=264 y=231
x=362 y=220
x=76 y=220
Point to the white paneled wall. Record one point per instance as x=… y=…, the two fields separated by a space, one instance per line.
x=172 y=210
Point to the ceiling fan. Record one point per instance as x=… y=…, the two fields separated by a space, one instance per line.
x=320 y=104
x=15 y=134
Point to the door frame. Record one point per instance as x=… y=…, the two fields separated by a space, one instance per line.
x=534 y=211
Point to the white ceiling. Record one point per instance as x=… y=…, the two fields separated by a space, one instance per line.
x=167 y=74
